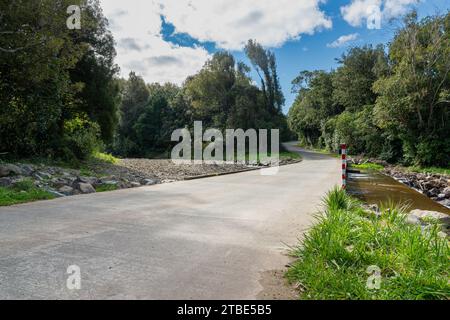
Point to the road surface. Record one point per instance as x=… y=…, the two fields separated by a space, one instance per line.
x=213 y=238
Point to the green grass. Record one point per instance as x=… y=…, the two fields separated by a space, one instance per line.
x=104 y=157
x=106 y=187
x=290 y=155
x=432 y=170
x=334 y=257
x=22 y=192
x=368 y=166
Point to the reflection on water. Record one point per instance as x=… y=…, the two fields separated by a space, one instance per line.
x=374 y=187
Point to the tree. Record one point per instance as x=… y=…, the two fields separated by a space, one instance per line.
x=354 y=79
x=54 y=81
x=414 y=100
x=36 y=54
x=96 y=71
x=135 y=96
x=264 y=63
x=211 y=90
x=313 y=105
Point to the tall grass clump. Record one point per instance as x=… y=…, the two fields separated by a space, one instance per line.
x=334 y=257
x=21 y=192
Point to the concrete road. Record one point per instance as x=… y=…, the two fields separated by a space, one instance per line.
x=213 y=238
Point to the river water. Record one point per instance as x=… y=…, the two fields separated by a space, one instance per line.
x=374 y=187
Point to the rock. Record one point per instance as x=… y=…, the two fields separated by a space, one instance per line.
x=109 y=182
x=55 y=193
x=9 y=169
x=44 y=175
x=85 y=187
x=37 y=177
x=5 y=182
x=135 y=184
x=66 y=190
x=423 y=216
x=411 y=219
x=445 y=203
x=148 y=182
x=90 y=180
x=373 y=210
x=441 y=196
x=27 y=169
x=68 y=175
x=446 y=192
x=433 y=192
x=442 y=234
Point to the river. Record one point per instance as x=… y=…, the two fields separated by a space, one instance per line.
x=374 y=187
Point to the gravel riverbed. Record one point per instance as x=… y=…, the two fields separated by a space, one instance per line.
x=101 y=176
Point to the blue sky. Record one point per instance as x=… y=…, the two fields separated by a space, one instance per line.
x=167 y=40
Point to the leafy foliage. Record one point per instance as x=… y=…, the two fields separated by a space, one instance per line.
x=334 y=256
x=50 y=75
x=394 y=106
x=21 y=192
x=221 y=95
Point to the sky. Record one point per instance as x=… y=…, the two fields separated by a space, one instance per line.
x=168 y=40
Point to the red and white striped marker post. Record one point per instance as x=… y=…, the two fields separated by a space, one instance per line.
x=344 y=165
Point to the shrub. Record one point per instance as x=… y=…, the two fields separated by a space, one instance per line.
x=81 y=138
x=335 y=255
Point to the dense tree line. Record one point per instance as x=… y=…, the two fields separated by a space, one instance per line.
x=221 y=95
x=390 y=102
x=58 y=87
x=61 y=97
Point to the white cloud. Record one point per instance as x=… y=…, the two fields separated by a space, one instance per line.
x=343 y=40
x=394 y=8
x=136 y=27
x=358 y=11
x=230 y=23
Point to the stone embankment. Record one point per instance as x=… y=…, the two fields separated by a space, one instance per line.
x=126 y=173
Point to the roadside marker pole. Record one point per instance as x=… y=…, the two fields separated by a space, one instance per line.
x=344 y=165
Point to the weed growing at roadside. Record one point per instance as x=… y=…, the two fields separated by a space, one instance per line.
x=21 y=192
x=334 y=256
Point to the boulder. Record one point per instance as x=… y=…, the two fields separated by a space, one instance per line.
x=135 y=184
x=441 y=196
x=446 y=192
x=445 y=203
x=27 y=169
x=424 y=215
x=109 y=182
x=85 y=187
x=5 y=182
x=56 y=193
x=66 y=190
x=148 y=182
x=44 y=175
x=9 y=169
x=433 y=192
x=90 y=180
x=412 y=219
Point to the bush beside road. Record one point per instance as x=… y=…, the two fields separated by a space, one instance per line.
x=410 y=251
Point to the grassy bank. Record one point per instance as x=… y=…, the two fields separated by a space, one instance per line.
x=431 y=170
x=334 y=257
x=22 y=192
x=367 y=166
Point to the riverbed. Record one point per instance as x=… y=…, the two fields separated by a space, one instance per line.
x=376 y=188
